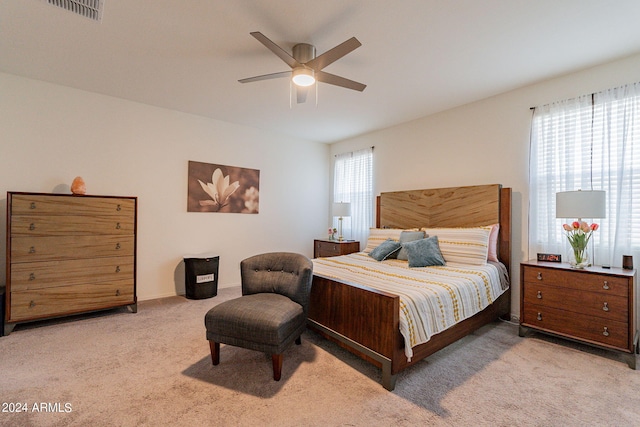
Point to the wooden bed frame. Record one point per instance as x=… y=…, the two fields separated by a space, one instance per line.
x=365 y=321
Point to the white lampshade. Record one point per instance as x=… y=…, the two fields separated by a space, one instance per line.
x=342 y=209
x=303 y=76
x=581 y=204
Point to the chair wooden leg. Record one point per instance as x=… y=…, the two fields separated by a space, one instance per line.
x=215 y=352
x=299 y=340
x=277 y=366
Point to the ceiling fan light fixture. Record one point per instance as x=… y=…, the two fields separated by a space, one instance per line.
x=303 y=76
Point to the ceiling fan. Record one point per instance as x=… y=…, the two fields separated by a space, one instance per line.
x=306 y=67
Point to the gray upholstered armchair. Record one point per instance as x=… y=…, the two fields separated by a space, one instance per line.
x=272 y=311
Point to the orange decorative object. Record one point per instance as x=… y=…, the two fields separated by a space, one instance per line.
x=78 y=186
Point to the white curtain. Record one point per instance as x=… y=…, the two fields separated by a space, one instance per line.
x=588 y=143
x=353 y=182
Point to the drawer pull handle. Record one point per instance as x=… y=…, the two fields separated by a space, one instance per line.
x=539 y=276
x=539 y=296
x=32 y=250
x=606 y=285
x=605 y=332
x=33 y=205
x=539 y=316
x=32 y=226
x=606 y=307
x=117 y=292
x=32 y=276
x=32 y=304
x=117 y=246
x=118 y=226
x=118 y=269
x=118 y=208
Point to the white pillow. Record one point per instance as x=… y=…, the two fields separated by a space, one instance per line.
x=463 y=245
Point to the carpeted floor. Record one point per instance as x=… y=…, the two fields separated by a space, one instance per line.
x=153 y=368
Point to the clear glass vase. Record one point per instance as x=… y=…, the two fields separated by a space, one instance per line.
x=579 y=258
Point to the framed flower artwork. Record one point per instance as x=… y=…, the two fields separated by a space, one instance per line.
x=220 y=188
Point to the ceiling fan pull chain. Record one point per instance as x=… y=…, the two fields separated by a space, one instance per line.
x=290 y=95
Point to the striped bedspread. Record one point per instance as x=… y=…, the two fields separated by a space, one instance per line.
x=432 y=299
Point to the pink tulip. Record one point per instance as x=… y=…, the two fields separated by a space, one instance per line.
x=585 y=227
x=566 y=227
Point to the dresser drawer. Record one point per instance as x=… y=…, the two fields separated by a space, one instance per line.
x=27 y=305
x=38 y=204
x=611 y=307
x=575 y=325
x=65 y=225
x=31 y=249
x=582 y=281
x=327 y=249
x=47 y=274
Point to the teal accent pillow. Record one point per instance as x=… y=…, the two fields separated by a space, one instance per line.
x=408 y=236
x=385 y=250
x=424 y=252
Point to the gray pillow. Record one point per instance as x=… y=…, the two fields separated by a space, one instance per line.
x=408 y=236
x=386 y=249
x=424 y=252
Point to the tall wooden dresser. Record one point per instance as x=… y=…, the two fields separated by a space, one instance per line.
x=68 y=254
x=595 y=306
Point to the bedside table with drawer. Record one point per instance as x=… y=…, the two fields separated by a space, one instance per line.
x=329 y=248
x=595 y=306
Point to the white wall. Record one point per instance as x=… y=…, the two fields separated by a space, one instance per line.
x=484 y=142
x=50 y=134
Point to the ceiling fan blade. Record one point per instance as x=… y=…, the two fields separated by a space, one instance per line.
x=332 y=79
x=332 y=55
x=266 y=77
x=281 y=53
x=301 y=93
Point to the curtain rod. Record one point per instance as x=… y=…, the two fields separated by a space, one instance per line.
x=588 y=94
x=372 y=148
x=592 y=94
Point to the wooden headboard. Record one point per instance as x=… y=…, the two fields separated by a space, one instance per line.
x=469 y=206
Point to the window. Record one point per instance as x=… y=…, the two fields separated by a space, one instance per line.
x=353 y=182
x=589 y=143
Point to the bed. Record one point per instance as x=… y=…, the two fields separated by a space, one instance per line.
x=366 y=320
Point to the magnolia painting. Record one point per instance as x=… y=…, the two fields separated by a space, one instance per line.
x=219 y=188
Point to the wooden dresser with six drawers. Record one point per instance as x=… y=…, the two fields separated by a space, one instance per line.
x=68 y=254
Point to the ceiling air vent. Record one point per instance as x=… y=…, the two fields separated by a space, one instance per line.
x=91 y=9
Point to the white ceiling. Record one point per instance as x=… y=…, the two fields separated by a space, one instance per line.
x=417 y=57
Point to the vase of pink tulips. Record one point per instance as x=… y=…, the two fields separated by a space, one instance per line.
x=332 y=233
x=579 y=233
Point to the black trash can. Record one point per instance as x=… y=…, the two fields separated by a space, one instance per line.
x=201 y=276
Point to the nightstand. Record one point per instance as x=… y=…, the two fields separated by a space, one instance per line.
x=328 y=248
x=594 y=305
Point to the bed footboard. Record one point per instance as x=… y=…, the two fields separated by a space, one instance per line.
x=363 y=320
